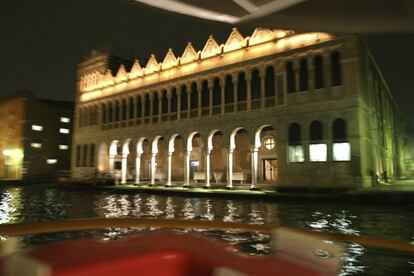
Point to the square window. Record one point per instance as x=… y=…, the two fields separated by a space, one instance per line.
x=318 y=152
x=37 y=128
x=64 y=130
x=63 y=147
x=342 y=151
x=296 y=154
x=64 y=119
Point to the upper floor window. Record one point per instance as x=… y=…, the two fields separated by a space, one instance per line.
x=336 y=69
x=318 y=65
x=64 y=130
x=296 y=153
x=290 y=77
x=317 y=148
x=63 y=147
x=303 y=75
x=341 y=148
x=51 y=161
x=37 y=127
x=64 y=119
x=36 y=145
x=269 y=143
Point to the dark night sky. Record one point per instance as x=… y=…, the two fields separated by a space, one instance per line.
x=42 y=41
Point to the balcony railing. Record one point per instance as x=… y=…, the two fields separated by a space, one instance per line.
x=270 y=101
x=205 y=111
x=183 y=114
x=147 y=120
x=155 y=118
x=241 y=106
x=164 y=117
x=173 y=116
x=228 y=108
x=193 y=113
x=217 y=109
x=138 y=121
x=255 y=104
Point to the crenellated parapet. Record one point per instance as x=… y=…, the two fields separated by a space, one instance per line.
x=237 y=48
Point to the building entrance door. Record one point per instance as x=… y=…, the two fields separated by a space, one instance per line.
x=194 y=164
x=270 y=169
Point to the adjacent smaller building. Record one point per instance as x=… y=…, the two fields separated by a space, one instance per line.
x=35 y=137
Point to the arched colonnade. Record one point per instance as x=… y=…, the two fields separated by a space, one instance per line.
x=235 y=152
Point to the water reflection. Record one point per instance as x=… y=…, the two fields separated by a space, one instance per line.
x=38 y=204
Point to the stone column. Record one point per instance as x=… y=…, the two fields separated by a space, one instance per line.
x=134 y=101
x=187 y=169
x=124 y=168
x=199 y=90
x=230 y=168
x=235 y=91
x=151 y=105
x=210 y=84
x=178 y=104
x=223 y=94
x=249 y=90
x=208 y=169
x=255 y=161
x=169 y=168
x=160 y=98
x=153 y=167
x=262 y=76
x=138 y=168
x=111 y=163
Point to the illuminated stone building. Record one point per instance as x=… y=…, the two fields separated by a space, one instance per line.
x=275 y=108
x=35 y=137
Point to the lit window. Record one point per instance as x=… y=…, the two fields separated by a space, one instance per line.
x=269 y=143
x=64 y=119
x=37 y=128
x=36 y=145
x=64 y=130
x=317 y=152
x=51 y=161
x=63 y=147
x=296 y=154
x=342 y=151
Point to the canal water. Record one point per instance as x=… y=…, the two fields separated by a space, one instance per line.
x=43 y=203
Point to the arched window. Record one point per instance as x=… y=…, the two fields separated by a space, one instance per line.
x=205 y=95
x=194 y=96
x=339 y=131
x=318 y=65
x=184 y=97
x=117 y=111
x=241 y=88
x=255 y=84
x=303 y=75
x=85 y=156
x=103 y=109
x=341 y=148
x=270 y=82
x=92 y=155
x=229 y=90
x=110 y=112
x=139 y=106
x=174 y=100
x=290 y=77
x=131 y=108
x=164 y=103
x=216 y=92
x=147 y=105
x=295 y=144
x=315 y=132
x=155 y=103
x=336 y=69
x=124 y=110
x=317 y=148
x=78 y=155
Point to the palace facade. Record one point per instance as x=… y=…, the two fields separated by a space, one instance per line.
x=276 y=108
